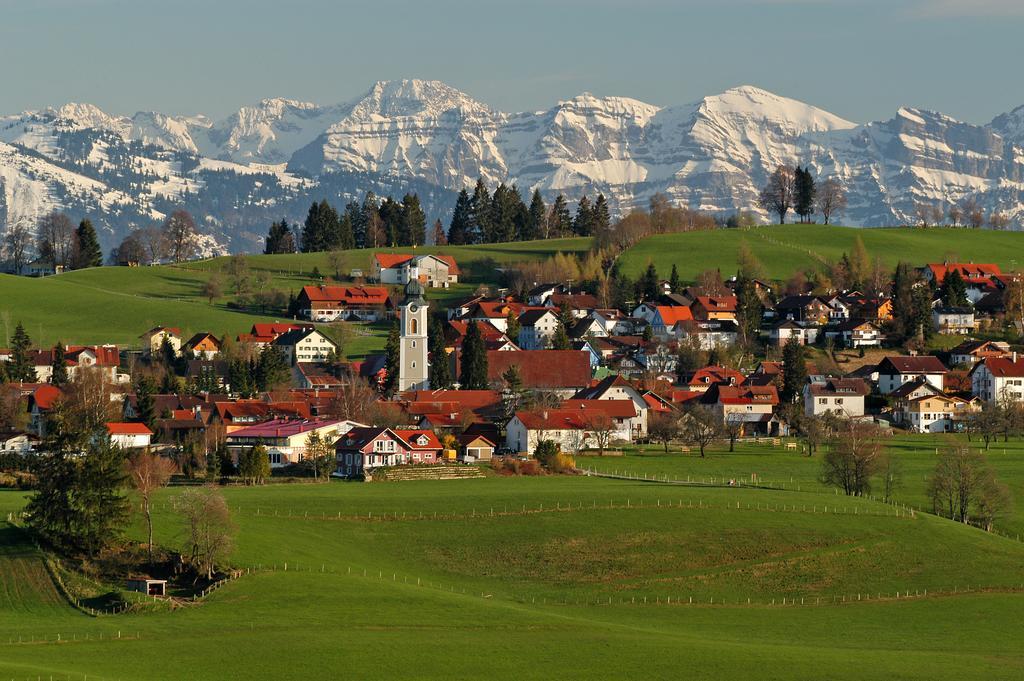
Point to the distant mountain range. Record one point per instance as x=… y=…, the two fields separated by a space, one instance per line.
x=271 y=160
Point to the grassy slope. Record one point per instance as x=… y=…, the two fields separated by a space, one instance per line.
x=116 y=304
x=533 y=583
x=775 y=466
x=783 y=249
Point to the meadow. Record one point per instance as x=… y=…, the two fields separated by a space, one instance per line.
x=783 y=249
x=551 y=577
x=117 y=304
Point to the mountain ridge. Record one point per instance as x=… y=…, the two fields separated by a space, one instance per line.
x=270 y=159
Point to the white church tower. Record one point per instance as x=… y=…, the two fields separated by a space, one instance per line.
x=413 y=364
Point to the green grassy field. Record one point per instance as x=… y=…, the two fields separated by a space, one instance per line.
x=117 y=304
x=556 y=577
x=786 y=248
x=778 y=467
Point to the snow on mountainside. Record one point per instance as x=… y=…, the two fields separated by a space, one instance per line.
x=270 y=160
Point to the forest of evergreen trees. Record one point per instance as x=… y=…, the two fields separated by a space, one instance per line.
x=480 y=217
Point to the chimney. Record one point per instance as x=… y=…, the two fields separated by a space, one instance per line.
x=1014 y=356
x=545 y=414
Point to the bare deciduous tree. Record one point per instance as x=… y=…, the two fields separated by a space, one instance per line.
x=149 y=472
x=209 y=527
x=55 y=239
x=855 y=455
x=831 y=199
x=963 y=488
x=663 y=427
x=777 y=196
x=181 y=236
x=17 y=246
x=153 y=242
x=955 y=215
x=701 y=427
x=974 y=216
x=602 y=428
x=997 y=220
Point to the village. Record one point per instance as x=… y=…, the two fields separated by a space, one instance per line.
x=494 y=376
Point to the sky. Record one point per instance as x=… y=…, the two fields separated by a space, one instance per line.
x=860 y=59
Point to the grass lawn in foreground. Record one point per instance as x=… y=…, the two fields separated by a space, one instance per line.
x=377 y=587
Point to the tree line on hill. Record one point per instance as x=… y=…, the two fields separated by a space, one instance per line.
x=795 y=188
x=54 y=240
x=480 y=217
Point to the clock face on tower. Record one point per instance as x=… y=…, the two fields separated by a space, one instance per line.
x=413 y=308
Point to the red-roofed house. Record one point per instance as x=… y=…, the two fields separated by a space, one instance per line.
x=997 y=378
x=896 y=370
x=129 y=435
x=365 y=448
x=285 y=439
x=105 y=358
x=327 y=303
x=265 y=333
x=714 y=307
x=665 y=318
x=429 y=270
x=703 y=378
x=576 y=425
x=40 y=402
x=751 y=405
x=563 y=372
x=981 y=278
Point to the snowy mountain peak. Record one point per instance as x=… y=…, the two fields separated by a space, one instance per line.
x=754 y=103
x=78 y=116
x=415 y=97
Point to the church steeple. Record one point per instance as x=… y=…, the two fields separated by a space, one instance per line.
x=413 y=363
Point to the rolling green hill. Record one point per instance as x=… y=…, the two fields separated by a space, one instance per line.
x=570 y=578
x=785 y=248
x=117 y=304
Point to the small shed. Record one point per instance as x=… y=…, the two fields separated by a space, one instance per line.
x=476 y=448
x=148 y=586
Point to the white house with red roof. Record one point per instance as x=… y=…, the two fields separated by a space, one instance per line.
x=429 y=269
x=999 y=378
x=104 y=358
x=979 y=278
x=894 y=371
x=129 y=435
x=327 y=303
x=285 y=439
x=366 y=448
x=576 y=425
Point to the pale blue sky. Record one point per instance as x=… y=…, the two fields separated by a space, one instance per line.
x=860 y=59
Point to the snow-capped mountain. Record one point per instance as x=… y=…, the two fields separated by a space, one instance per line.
x=270 y=160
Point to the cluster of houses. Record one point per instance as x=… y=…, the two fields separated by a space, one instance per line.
x=618 y=373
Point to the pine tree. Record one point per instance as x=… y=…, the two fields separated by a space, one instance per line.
x=601 y=222
x=561 y=221
x=369 y=220
x=20 y=366
x=413 y=230
x=440 y=367
x=480 y=209
x=346 y=232
x=312 y=231
x=59 y=366
x=859 y=264
x=462 y=220
x=953 y=290
x=804 y=193
x=392 y=361
x=508 y=214
x=533 y=227
x=923 y=313
x=473 y=374
x=903 y=311
x=391 y=219
x=560 y=339
x=145 y=405
x=439 y=237
x=89 y=252
x=355 y=218
x=674 y=284
x=583 y=223
x=279 y=238
x=271 y=369
x=794 y=371
x=649 y=282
